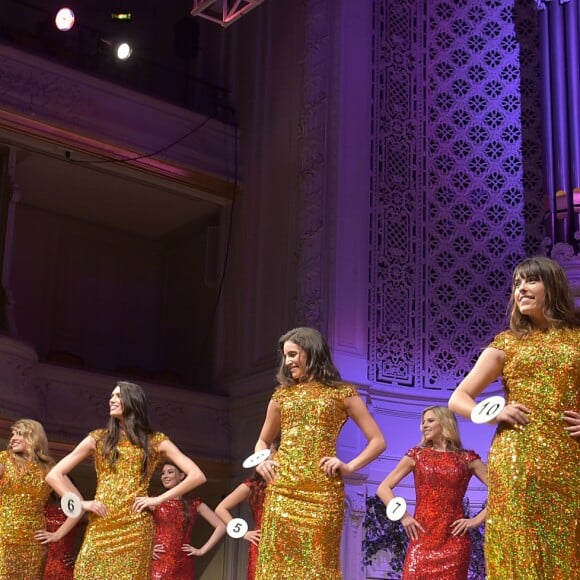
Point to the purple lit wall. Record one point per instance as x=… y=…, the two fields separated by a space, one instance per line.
x=457 y=181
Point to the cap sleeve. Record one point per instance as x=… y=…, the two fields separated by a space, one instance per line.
x=470 y=455
x=348 y=391
x=157 y=438
x=3 y=457
x=500 y=341
x=412 y=453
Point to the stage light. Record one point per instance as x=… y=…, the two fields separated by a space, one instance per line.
x=65 y=19
x=123 y=51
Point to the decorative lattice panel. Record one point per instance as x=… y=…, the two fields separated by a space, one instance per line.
x=456 y=188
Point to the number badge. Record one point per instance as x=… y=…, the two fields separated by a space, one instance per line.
x=237 y=528
x=70 y=504
x=396 y=509
x=256 y=458
x=487 y=410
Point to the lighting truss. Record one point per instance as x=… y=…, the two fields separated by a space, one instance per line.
x=224 y=12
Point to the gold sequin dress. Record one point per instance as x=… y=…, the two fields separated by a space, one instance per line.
x=120 y=545
x=304 y=508
x=533 y=528
x=23 y=494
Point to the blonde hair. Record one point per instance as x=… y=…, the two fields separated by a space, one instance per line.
x=35 y=436
x=449 y=428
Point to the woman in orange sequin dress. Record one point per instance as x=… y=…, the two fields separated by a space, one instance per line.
x=252 y=490
x=23 y=494
x=119 y=539
x=533 y=523
x=304 y=506
x=173 y=555
x=440 y=543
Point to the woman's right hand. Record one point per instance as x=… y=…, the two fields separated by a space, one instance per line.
x=95 y=506
x=158 y=549
x=514 y=414
x=412 y=526
x=267 y=469
x=253 y=536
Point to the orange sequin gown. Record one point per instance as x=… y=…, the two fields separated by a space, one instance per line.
x=533 y=523
x=441 y=480
x=172 y=531
x=304 y=509
x=119 y=545
x=23 y=494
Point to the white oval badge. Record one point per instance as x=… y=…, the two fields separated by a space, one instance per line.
x=237 y=528
x=256 y=458
x=487 y=410
x=70 y=503
x=396 y=509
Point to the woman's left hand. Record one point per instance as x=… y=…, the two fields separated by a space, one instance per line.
x=46 y=537
x=191 y=551
x=333 y=466
x=573 y=420
x=462 y=526
x=143 y=503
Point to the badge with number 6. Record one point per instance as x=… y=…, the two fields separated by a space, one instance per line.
x=70 y=503
x=396 y=509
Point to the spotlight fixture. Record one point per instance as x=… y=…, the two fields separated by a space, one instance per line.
x=123 y=51
x=231 y=10
x=64 y=19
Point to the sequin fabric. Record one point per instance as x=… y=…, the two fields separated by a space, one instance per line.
x=23 y=494
x=441 y=480
x=257 y=487
x=304 y=509
x=172 y=531
x=61 y=554
x=120 y=545
x=532 y=529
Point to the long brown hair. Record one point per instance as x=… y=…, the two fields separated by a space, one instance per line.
x=319 y=365
x=135 y=425
x=559 y=309
x=186 y=498
x=35 y=436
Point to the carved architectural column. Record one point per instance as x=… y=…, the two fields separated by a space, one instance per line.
x=559 y=22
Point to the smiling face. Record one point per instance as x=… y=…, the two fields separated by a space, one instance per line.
x=18 y=443
x=529 y=295
x=171 y=476
x=295 y=360
x=116 y=407
x=431 y=428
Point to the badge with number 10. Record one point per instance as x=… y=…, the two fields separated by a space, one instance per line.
x=487 y=410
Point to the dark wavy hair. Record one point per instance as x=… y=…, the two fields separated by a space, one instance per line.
x=186 y=498
x=319 y=365
x=134 y=424
x=559 y=308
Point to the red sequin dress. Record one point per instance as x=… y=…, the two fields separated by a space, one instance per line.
x=257 y=487
x=172 y=531
x=441 y=480
x=61 y=553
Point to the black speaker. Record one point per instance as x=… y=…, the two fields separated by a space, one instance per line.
x=187 y=37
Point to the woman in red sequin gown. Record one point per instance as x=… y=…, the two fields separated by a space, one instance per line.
x=253 y=491
x=173 y=555
x=440 y=545
x=61 y=554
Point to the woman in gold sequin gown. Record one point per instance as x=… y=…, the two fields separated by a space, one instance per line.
x=119 y=539
x=533 y=524
x=23 y=494
x=439 y=532
x=304 y=505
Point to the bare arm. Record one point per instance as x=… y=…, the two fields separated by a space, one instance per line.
x=463 y=525
x=270 y=430
x=219 y=530
x=235 y=498
x=194 y=477
x=46 y=537
x=385 y=492
x=358 y=412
